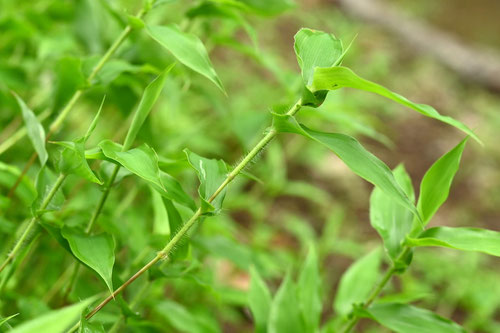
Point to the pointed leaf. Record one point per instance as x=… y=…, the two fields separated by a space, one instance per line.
x=6 y=319
x=187 y=48
x=259 y=300
x=357 y=282
x=35 y=130
x=391 y=220
x=403 y=318
x=211 y=174
x=160 y=217
x=285 y=312
x=465 y=239
x=95 y=251
x=175 y=222
x=151 y=94
x=93 y=124
x=337 y=77
x=57 y=321
x=314 y=49
x=73 y=161
x=436 y=183
x=309 y=291
x=350 y=151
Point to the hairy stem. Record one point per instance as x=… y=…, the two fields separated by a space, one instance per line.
x=377 y=290
x=178 y=236
x=32 y=222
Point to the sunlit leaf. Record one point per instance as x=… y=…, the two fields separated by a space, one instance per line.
x=338 y=77
x=391 y=220
x=357 y=282
x=73 y=161
x=187 y=48
x=57 y=321
x=349 y=150
x=211 y=174
x=95 y=251
x=35 y=130
x=259 y=300
x=436 y=183
x=151 y=94
x=404 y=318
x=466 y=239
x=6 y=319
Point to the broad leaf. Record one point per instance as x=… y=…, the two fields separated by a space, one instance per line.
x=141 y=161
x=465 y=239
x=404 y=318
x=151 y=94
x=337 y=77
x=44 y=183
x=314 y=49
x=259 y=300
x=95 y=251
x=391 y=220
x=351 y=152
x=187 y=48
x=357 y=282
x=35 y=130
x=284 y=315
x=309 y=291
x=57 y=321
x=211 y=174
x=73 y=161
x=436 y=183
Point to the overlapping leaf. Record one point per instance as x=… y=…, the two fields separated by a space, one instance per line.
x=259 y=300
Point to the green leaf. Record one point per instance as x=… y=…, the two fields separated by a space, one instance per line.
x=141 y=161
x=6 y=319
x=259 y=300
x=357 y=282
x=44 y=183
x=315 y=48
x=436 y=183
x=160 y=217
x=87 y=327
x=151 y=94
x=265 y=7
x=69 y=78
x=35 y=130
x=93 y=124
x=337 y=77
x=405 y=318
x=309 y=291
x=187 y=48
x=57 y=321
x=351 y=152
x=182 y=319
x=73 y=161
x=285 y=315
x=95 y=251
x=465 y=239
x=211 y=174
x=391 y=220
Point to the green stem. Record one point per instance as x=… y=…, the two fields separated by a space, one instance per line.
x=178 y=236
x=32 y=223
x=377 y=290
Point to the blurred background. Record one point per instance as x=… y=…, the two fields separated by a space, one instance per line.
x=442 y=53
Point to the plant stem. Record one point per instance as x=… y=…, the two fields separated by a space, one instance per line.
x=178 y=236
x=377 y=290
x=54 y=126
x=33 y=221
